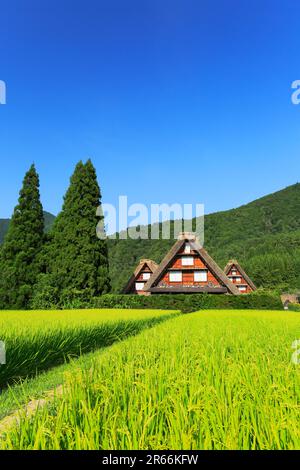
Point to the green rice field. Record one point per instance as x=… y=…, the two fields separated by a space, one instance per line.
x=38 y=340
x=206 y=380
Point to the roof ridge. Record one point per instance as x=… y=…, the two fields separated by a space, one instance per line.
x=213 y=266
x=241 y=270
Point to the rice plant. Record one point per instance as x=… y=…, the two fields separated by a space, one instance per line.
x=208 y=380
x=37 y=340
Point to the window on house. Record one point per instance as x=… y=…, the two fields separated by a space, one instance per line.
x=146 y=276
x=139 y=285
x=187 y=248
x=175 y=276
x=242 y=288
x=200 y=276
x=238 y=279
x=187 y=261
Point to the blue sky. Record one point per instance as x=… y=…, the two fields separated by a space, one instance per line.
x=174 y=100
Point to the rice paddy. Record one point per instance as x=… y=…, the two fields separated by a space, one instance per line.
x=207 y=380
x=38 y=340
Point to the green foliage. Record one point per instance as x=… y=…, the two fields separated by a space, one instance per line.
x=75 y=260
x=4 y=224
x=47 y=298
x=264 y=235
x=294 y=307
x=190 y=303
x=19 y=264
x=46 y=294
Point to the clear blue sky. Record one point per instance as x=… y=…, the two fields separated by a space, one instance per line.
x=174 y=100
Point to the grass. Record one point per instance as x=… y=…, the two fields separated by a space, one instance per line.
x=19 y=394
x=38 y=340
x=208 y=380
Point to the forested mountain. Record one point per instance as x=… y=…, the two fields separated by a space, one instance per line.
x=4 y=223
x=264 y=235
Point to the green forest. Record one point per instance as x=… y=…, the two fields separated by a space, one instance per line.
x=263 y=235
x=67 y=257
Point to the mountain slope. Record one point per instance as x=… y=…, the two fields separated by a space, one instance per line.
x=264 y=235
x=4 y=223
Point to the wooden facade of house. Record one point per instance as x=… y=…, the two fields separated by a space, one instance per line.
x=141 y=275
x=188 y=268
x=239 y=277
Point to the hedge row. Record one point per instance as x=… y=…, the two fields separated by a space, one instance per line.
x=294 y=307
x=191 y=302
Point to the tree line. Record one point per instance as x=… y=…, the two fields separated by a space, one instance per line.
x=39 y=269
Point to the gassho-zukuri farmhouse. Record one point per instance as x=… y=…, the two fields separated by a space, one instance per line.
x=187 y=269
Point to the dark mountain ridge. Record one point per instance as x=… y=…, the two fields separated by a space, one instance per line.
x=4 y=223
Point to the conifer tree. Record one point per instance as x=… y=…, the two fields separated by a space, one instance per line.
x=77 y=259
x=97 y=245
x=19 y=265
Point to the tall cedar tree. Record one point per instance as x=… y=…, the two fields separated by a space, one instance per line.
x=19 y=265
x=77 y=259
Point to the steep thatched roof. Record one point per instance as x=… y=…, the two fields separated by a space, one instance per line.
x=235 y=263
x=151 y=265
x=151 y=286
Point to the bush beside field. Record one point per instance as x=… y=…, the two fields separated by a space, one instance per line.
x=190 y=303
x=262 y=300
x=294 y=307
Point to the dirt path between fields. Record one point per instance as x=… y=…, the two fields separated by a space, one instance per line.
x=28 y=410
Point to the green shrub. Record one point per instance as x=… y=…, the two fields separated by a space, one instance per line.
x=191 y=302
x=47 y=297
x=294 y=307
x=45 y=294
